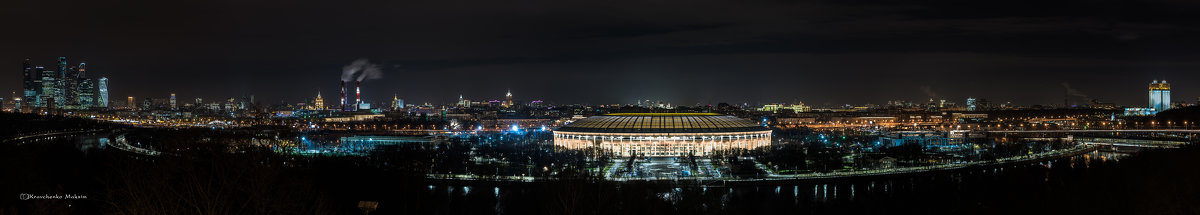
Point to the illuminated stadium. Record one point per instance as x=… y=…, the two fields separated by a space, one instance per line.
x=662 y=134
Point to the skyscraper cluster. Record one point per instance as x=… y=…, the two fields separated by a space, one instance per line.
x=62 y=87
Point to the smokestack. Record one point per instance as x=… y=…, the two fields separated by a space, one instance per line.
x=343 y=101
x=357 y=95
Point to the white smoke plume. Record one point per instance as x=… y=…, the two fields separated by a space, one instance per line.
x=1074 y=92
x=929 y=91
x=360 y=70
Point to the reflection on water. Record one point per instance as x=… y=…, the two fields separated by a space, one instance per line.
x=860 y=192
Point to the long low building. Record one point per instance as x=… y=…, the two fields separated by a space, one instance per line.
x=662 y=134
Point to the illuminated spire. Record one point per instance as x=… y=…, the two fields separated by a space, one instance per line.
x=319 y=103
x=507 y=99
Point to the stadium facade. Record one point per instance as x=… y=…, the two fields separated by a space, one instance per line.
x=662 y=134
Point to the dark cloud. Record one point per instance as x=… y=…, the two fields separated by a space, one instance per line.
x=619 y=51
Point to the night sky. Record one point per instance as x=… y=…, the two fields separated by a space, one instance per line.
x=616 y=51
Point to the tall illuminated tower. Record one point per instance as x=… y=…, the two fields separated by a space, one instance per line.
x=60 y=83
x=971 y=105
x=1160 y=95
x=72 y=85
x=357 y=95
x=49 y=89
x=397 y=104
x=87 y=94
x=62 y=67
x=508 y=99
x=342 y=102
x=102 y=99
x=173 y=107
x=319 y=103
x=32 y=83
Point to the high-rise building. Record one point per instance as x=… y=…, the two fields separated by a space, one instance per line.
x=229 y=104
x=79 y=87
x=49 y=87
x=132 y=105
x=60 y=83
x=319 y=103
x=508 y=101
x=62 y=67
x=32 y=82
x=971 y=103
x=1160 y=95
x=173 y=107
x=147 y=103
x=102 y=100
x=398 y=103
x=69 y=82
x=87 y=93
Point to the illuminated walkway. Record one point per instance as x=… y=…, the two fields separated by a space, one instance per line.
x=46 y=134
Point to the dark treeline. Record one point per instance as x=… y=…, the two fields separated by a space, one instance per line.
x=1190 y=115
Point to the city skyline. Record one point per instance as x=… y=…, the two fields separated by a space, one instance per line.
x=603 y=53
x=600 y=107
x=1070 y=96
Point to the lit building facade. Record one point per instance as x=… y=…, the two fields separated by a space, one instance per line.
x=775 y=108
x=1160 y=95
x=508 y=101
x=318 y=103
x=397 y=103
x=930 y=140
x=971 y=104
x=87 y=93
x=102 y=100
x=662 y=134
x=49 y=89
x=32 y=83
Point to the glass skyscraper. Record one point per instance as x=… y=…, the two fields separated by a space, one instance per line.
x=49 y=90
x=102 y=101
x=32 y=84
x=87 y=93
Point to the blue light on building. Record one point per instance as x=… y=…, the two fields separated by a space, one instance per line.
x=1160 y=96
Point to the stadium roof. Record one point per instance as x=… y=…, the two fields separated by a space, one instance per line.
x=662 y=123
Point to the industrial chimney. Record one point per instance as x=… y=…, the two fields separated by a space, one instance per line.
x=343 y=101
x=357 y=95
